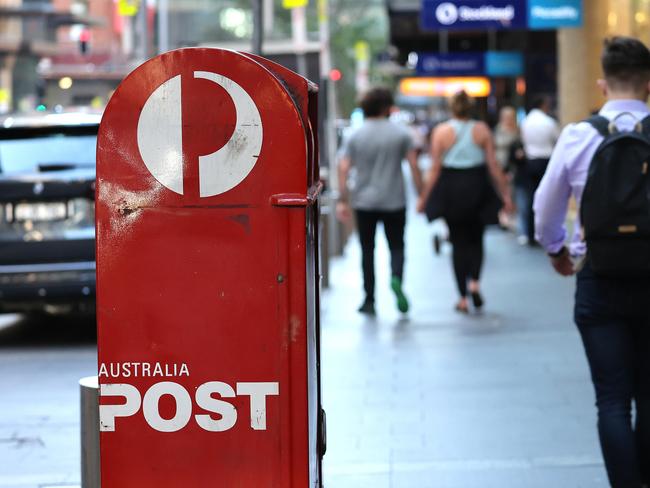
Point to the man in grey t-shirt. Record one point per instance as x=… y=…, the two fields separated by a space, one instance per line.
x=371 y=184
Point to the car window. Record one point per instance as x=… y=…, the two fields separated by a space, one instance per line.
x=25 y=155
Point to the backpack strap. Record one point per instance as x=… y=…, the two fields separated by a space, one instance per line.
x=645 y=126
x=601 y=124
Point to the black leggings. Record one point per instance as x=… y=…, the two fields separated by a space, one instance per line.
x=467 y=240
x=394 y=223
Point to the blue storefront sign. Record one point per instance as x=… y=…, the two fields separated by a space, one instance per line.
x=452 y=64
x=436 y=15
x=553 y=14
x=504 y=63
x=473 y=14
x=491 y=63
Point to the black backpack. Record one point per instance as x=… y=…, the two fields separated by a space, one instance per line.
x=615 y=208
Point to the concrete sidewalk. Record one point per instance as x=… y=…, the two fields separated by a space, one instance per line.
x=438 y=399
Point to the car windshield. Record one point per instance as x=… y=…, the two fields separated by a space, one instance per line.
x=26 y=155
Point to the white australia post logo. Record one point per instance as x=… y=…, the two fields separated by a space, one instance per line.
x=211 y=397
x=160 y=139
x=447 y=13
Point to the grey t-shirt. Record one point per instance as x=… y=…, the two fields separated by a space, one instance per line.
x=376 y=151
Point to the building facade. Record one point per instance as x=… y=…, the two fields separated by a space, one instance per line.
x=28 y=34
x=579 y=52
x=530 y=53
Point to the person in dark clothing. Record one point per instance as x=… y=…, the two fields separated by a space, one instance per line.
x=375 y=153
x=458 y=185
x=539 y=132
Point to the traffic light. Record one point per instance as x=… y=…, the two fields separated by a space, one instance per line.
x=84 y=39
x=335 y=75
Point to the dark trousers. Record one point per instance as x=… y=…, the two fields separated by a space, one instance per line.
x=394 y=223
x=613 y=316
x=466 y=237
x=534 y=172
x=524 y=202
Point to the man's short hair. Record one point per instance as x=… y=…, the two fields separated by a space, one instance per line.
x=626 y=63
x=376 y=101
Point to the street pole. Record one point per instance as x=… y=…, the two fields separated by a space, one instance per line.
x=443 y=41
x=258 y=26
x=334 y=244
x=143 y=36
x=299 y=34
x=268 y=16
x=163 y=26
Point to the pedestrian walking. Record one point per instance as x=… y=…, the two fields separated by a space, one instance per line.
x=458 y=188
x=603 y=163
x=372 y=166
x=506 y=137
x=506 y=133
x=539 y=132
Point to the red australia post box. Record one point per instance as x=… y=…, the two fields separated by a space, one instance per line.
x=207 y=271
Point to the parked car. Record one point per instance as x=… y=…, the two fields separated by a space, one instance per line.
x=47 y=213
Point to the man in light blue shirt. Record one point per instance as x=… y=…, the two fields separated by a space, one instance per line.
x=612 y=314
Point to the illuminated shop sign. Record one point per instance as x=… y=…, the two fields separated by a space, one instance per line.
x=473 y=14
x=451 y=64
x=444 y=87
x=491 y=63
x=552 y=14
x=438 y=15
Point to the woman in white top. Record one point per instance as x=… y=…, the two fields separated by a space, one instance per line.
x=458 y=189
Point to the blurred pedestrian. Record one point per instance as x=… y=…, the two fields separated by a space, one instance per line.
x=419 y=129
x=458 y=188
x=506 y=136
x=539 y=132
x=612 y=310
x=374 y=154
x=506 y=133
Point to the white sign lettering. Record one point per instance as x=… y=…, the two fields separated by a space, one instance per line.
x=257 y=391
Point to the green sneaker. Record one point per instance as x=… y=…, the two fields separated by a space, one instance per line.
x=402 y=302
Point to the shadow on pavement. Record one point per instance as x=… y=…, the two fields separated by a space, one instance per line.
x=47 y=331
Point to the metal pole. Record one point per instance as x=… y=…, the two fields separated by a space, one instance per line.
x=258 y=26
x=89 y=393
x=268 y=16
x=143 y=41
x=443 y=41
x=299 y=35
x=163 y=26
x=492 y=40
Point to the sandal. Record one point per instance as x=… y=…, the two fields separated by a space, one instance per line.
x=477 y=299
x=461 y=307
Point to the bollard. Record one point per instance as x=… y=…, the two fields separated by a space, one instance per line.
x=88 y=388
